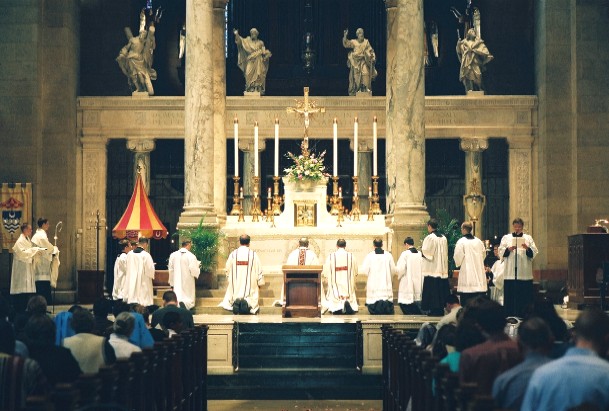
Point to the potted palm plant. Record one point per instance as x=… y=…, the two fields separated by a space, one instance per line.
x=206 y=241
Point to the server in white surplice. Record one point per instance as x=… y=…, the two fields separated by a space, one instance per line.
x=184 y=269
x=469 y=256
x=340 y=271
x=435 y=271
x=411 y=278
x=380 y=268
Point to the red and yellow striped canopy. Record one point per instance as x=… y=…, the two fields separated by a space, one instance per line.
x=139 y=219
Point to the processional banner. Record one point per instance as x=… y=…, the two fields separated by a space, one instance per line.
x=16 y=209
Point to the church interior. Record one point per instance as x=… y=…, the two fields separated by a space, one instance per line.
x=529 y=141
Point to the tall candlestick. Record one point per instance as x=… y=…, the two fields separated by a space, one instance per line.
x=241 y=193
x=255 y=149
x=268 y=193
x=355 y=147
x=236 y=127
x=369 y=191
x=335 y=148
x=340 y=192
x=276 y=147
x=374 y=149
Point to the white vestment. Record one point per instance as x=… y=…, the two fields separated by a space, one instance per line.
x=244 y=273
x=184 y=268
x=517 y=258
x=497 y=290
x=469 y=256
x=379 y=268
x=140 y=273
x=410 y=276
x=340 y=271
x=22 y=277
x=293 y=259
x=435 y=256
x=43 y=259
x=120 y=275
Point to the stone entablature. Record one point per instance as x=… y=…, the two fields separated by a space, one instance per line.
x=445 y=117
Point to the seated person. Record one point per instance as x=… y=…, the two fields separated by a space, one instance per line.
x=119 y=339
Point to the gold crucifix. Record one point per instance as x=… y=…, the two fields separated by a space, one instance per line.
x=306 y=109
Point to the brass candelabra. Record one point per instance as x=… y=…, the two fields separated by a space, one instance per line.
x=339 y=211
x=355 y=211
x=236 y=199
x=370 y=207
x=277 y=200
x=256 y=212
x=269 y=214
x=376 y=208
x=334 y=199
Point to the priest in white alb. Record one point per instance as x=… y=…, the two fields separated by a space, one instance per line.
x=184 y=269
x=300 y=256
x=340 y=271
x=469 y=256
x=140 y=273
x=380 y=268
x=435 y=271
x=43 y=259
x=244 y=274
x=22 y=275
x=410 y=276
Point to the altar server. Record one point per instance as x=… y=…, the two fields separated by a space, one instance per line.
x=380 y=268
x=140 y=273
x=300 y=256
x=120 y=271
x=469 y=256
x=410 y=277
x=43 y=260
x=184 y=268
x=244 y=273
x=22 y=277
x=435 y=270
x=340 y=271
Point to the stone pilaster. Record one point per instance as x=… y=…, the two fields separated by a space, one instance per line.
x=141 y=160
x=473 y=148
x=520 y=169
x=219 y=88
x=198 y=116
x=405 y=121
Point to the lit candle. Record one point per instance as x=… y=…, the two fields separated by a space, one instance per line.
x=276 y=148
x=268 y=195
x=355 y=147
x=255 y=149
x=236 y=127
x=335 y=148
x=369 y=191
x=374 y=149
x=241 y=193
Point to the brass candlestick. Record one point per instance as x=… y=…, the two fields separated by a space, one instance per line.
x=277 y=201
x=256 y=212
x=370 y=206
x=376 y=207
x=339 y=211
x=355 y=211
x=334 y=198
x=269 y=214
x=241 y=218
x=236 y=200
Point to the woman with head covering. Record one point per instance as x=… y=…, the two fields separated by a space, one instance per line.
x=119 y=340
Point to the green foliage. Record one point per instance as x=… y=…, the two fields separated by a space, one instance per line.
x=451 y=229
x=205 y=244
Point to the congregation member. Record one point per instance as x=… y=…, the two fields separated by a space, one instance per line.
x=22 y=278
x=535 y=341
x=469 y=256
x=184 y=269
x=378 y=265
x=42 y=261
x=120 y=271
x=435 y=270
x=428 y=332
x=340 y=271
x=170 y=305
x=579 y=379
x=517 y=250
x=119 y=339
x=244 y=274
x=410 y=278
x=300 y=256
x=140 y=273
x=172 y=324
x=141 y=335
x=494 y=275
x=101 y=309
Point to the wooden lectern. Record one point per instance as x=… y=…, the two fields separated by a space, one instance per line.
x=302 y=290
x=587 y=252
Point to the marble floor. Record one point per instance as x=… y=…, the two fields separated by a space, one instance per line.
x=295 y=405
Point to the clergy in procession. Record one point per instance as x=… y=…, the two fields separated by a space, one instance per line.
x=119 y=291
x=340 y=271
x=517 y=250
x=244 y=273
x=22 y=277
x=300 y=256
x=435 y=270
x=43 y=259
x=378 y=265
x=469 y=255
x=410 y=277
x=184 y=269
x=140 y=273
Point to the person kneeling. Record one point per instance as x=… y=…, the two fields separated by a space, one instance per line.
x=379 y=267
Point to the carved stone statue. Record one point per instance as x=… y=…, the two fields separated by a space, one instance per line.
x=135 y=60
x=253 y=60
x=473 y=55
x=361 y=61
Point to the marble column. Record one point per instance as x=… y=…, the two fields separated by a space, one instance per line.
x=219 y=89
x=141 y=159
x=247 y=172
x=94 y=175
x=520 y=169
x=473 y=148
x=405 y=122
x=198 y=117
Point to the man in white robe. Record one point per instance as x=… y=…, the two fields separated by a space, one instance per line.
x=22 y=275
x=140 y=273
x=495 y=272
x=119 y=291
x=410 y=277
x=340 y=271
x=184 y=269
x=380 y=268
x=435 y=271
x=244 y=273
x=300 y=256
x=469 y=256
x=517 y=251
x=43 y=259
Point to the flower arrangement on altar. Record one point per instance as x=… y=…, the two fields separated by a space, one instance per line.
x=307 y=166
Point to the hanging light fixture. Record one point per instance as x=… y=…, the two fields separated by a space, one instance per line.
x=308 y=55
